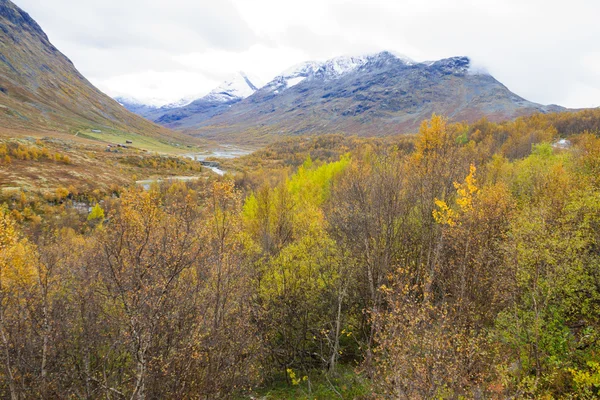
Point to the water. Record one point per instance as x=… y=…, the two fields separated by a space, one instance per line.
x=148 y=182
x=216 y=170
x=227 y=152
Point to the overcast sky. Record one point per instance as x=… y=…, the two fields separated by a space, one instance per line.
x=547 y=51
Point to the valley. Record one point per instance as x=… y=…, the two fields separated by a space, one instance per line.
x=359 y=227
x=372 y=95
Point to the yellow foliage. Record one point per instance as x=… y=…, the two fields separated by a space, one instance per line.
x=467 y=190
x=445 y=215
x=18 y=151
x=432 y=135
x=587 y=381
x=17 y=256
x=8 y=237
x=62 y=193
x=295 y=380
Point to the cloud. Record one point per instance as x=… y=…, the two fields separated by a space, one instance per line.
x=542 y=50
x=260 y=60
x=173 y=25
x=149 y=85
x=534 y=47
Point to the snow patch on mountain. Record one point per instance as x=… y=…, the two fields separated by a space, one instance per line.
x=407 y=60
x=132 y=101
x=304 y=69
x=182 y=102
x=294 y=81
x=238 y=87
x=332 y=69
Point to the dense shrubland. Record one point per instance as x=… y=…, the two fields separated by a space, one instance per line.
x=155 y=162
x=461 y=263
x=10 y=150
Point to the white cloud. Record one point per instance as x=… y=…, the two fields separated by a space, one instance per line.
x=260 y=60
x=155 y=87
x=543 y=50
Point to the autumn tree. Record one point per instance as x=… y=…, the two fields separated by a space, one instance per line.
x=297 y=268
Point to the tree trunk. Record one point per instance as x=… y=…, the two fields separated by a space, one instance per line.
x=140 y=376
x=7 y=364
x=336 y=341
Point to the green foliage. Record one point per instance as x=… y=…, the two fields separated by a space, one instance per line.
x=97 y=213
x=311 y=186
x=346 y=384
x=462 y=263
x=298 y=262
x=587 y=381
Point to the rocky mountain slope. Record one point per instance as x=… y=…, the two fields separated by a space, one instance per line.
x=372 y=95
x=40 y=88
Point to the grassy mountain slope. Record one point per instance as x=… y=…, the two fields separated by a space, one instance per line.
x=41 y=90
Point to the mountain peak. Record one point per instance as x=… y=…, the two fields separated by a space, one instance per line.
x=20 y=20
x=238 y=87
x=388 y=55
x=374 y=94
x=371 y=94
x=454 y=65
x=332 y=69
x=42 y=89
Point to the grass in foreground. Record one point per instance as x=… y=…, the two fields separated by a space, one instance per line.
x=346 y=384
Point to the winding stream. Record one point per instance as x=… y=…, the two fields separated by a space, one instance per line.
x=227 y=152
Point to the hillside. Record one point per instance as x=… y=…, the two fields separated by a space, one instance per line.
x=41 y=90
x=372 y=95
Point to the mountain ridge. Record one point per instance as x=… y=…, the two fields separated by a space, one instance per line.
x=382 y=95
x=228 y=93
x=42 y=90
x=370 y=95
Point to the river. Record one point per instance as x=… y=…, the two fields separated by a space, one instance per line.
x=227 y=152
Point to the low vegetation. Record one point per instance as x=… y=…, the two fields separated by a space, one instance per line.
x=156 y=162
x=38 y=152
x=459 y=263
x=45 y=164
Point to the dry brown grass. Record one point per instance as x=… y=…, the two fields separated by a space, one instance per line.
x=90 y=167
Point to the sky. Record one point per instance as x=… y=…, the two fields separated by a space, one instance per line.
x=159 y=51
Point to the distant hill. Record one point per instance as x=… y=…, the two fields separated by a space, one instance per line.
x=40 y=88
x=188 y=114
x=373 y=95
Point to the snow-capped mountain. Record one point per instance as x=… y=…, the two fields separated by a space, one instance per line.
x=238 y=87
x=193 y=111
x=332 y=69
x=147 y=107
x=373 y=94
x=136 y=106
x=181 y=102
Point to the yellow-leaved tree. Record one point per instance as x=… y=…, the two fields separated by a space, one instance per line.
x=17 y=276
x=297 y=265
